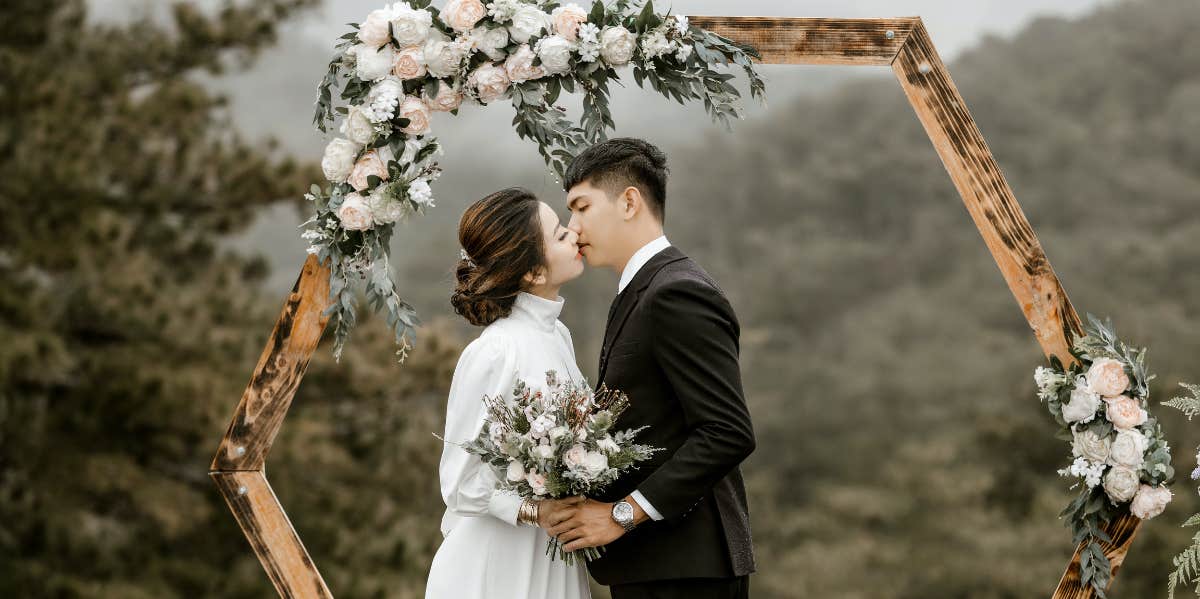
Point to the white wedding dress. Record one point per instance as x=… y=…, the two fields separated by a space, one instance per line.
x=485 y=553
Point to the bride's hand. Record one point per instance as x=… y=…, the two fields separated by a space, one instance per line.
x=552 y=512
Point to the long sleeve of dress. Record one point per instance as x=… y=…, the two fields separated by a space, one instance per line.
x=488 y=366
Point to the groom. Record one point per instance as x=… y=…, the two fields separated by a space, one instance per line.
x=677 y=526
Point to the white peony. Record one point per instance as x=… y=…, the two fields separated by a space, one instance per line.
x=555 y=52
x=386 y=210
x=410 y=26
x=420 y=193
x=462 y=15
x=516 y=472
x=339 y=159
x=490 y=83
x=357 y=127
x=1087 y=444
x=355 y=214
x=443 y=56
x=519 y=66
x=373 y=64
x=418 y=115
x=1121 y=484
x=567 y=19
x=617 y=45
x=1082 y=407
x=490 y=41
x=1150 y=501
x=374 y=29
x=1128 y=449
x=528 y=22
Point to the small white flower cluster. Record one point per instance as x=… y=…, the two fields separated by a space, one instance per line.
x=668 y=38
x=1090 y=472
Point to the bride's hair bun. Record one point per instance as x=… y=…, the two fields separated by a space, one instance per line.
x=501 y=237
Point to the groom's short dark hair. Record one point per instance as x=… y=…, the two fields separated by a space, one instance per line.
x=622 y=162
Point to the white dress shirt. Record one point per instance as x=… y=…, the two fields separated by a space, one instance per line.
x=635 y=264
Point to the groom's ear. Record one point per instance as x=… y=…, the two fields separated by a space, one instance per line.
x=630 y=202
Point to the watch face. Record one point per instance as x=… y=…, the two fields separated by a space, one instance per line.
x=623 y=511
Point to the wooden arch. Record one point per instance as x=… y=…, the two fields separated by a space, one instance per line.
x=903 y=44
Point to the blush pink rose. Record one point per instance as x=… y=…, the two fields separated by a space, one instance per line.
x=519 y=65
x=1107 y=377
x=1125 y=412
x=374 y=29
x=567 y=19
x=370 y=163
x=448 y=98
x=462 y=15
x=354 y=213
x=418 y=115
x=490 y=82
x=1150 y=501
x=409 y=63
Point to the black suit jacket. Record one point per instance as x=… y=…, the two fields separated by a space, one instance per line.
x=671 y=344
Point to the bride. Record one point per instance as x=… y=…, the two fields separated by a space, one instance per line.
x=516 y=256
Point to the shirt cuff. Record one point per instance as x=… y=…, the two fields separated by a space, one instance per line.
x=505 y=505
x=646 y=507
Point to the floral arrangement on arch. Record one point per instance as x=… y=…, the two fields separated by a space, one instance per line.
x=408 y=61
x=1120 y=454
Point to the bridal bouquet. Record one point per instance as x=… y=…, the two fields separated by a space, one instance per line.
x=1120 y=454
x=406 y=63
x=558 y=443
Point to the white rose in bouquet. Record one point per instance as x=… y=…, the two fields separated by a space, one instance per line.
x=1125 y=412
x=420 y=193
x=1107 y=377
x=1128 y=449
x=490 y=41
x=354 y=213
x=1082 y=407
x=374 y=29
x=574 y=457
x=357 y=127
x=418 y=115
x=1150 y=501
x=555 y=52
x=595 y=463
x=443 y=56
x=384 y=209
x=448 y=98
x=1087 y=444
x=519 y=66
x=516 y=472
x=373 y=64
x=409 y=63
x=536 y=481
x=490 y=83
x=567 y=19
x=410 y=26
x=528 y=22
x=339 y=159
x=462 y=15
x=1121 y=483
x=617 y=45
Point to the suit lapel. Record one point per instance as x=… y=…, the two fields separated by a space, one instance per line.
x=628 y=299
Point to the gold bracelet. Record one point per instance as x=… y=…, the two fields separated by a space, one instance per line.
x=527 y=513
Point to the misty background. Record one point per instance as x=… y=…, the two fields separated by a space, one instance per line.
x=148 y=237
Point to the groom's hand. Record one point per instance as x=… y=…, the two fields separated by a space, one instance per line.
x=552 y=512
x=592 y=525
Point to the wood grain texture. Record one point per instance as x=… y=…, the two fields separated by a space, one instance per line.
x=280 y=368
x=271 y=535
x=783 y=40
x=1005 y=230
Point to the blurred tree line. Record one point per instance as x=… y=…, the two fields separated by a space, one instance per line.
x=902 y=452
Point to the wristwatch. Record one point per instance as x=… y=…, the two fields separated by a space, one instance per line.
x=622 y=513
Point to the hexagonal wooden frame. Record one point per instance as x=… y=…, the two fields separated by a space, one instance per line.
x=903 y=44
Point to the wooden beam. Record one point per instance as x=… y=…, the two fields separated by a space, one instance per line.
x=280 y=368
x=271 y=535
x=1007 y=233
x=784 y=40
